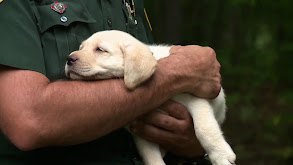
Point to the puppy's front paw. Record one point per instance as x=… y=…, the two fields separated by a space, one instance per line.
x=223 y=157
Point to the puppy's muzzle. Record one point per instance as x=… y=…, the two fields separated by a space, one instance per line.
x=71 y=60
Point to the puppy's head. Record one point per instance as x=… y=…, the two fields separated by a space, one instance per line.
x=110 y=54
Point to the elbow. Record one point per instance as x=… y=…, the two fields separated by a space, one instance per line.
x=26 y=135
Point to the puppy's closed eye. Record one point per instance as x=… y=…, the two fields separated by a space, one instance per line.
x=99 y=49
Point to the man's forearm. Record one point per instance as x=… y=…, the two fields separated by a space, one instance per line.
x=93 y=109
x=72 y=112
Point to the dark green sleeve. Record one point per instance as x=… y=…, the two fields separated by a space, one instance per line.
x=20 y=45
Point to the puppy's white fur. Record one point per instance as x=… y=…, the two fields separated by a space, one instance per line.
x=111 y=54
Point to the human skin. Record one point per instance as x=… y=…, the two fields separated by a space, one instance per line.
x=35 y=112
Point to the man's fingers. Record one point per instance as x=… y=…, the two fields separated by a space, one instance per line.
x=175 y=110
x=152 y=133
x=162 y=120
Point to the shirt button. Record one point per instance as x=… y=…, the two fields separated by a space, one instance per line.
x=63 y=19
x=109 y=22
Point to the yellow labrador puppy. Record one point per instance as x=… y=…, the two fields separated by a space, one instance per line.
x=110 y=54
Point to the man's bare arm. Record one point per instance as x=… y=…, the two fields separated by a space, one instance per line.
x=35 y=112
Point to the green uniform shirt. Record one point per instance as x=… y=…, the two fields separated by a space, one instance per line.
x=37 y=38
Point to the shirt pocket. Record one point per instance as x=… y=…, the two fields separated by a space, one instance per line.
x=58 y=33
x=75 y=12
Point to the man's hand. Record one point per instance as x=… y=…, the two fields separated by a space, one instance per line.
x=172 y=130
x=205 y=76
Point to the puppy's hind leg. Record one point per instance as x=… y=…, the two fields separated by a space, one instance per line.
x=150 y=152
x=208 y=130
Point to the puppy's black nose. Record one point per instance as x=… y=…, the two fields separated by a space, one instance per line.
x=71 y=59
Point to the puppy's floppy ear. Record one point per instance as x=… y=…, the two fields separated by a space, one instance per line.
x=139 y=64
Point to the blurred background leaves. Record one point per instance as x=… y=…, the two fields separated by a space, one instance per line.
x=254 y=44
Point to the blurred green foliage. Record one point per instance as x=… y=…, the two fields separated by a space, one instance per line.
x=254 y=44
